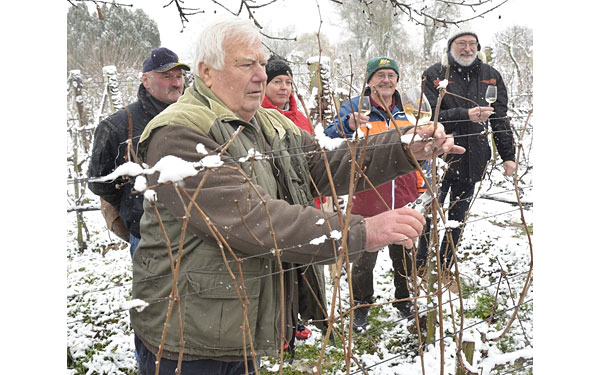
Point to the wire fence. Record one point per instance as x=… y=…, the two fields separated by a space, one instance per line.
x=268 y=254
x=232 y=161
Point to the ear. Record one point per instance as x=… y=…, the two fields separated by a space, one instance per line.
x=145 y=81
x=206 y=73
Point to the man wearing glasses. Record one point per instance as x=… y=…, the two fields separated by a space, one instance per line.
x=382 y=78
x=467 y=119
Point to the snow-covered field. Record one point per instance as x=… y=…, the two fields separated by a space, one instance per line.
x=494 y=260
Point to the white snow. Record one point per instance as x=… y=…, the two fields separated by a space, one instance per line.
x=319 y=240
x=324 y=141
x=126 y=169
x=210 y=161
x=172 y=169
x=137 y=304
x=252 y=155
x=141 y=183
x=201 y=149
x=336 y=235
x=150 y=195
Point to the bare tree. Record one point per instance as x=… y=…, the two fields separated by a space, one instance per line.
x=419 y=12
x=374 y=28
x=434 y=30
x=513 y=57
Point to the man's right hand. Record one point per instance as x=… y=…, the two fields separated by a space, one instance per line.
x=362 y=119
x=401 y=226
x=480 y=114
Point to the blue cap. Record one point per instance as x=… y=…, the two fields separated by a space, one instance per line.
x=162 y=59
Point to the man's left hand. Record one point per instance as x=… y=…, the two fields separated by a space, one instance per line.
x=509 y=167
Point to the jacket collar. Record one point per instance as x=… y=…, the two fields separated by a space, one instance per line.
x=150 y=104
x=293 y=105
x=202 y=92
x=396 y=102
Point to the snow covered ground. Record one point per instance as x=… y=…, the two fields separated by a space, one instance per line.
x=100 y=340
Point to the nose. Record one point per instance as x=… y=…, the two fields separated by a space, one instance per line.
x=176 y=81
x=261 y=74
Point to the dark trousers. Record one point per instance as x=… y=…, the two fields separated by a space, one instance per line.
x=147 y=365
x=362 y=273
x=461 y=193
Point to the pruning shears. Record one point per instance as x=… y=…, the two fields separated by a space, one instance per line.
x=421 y=203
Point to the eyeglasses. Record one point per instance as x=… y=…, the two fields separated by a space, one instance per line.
x=463 y=44
x=390 y=76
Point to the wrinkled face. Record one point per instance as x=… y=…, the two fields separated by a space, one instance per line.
x=241 y=83
x=384 y=81
x=164 y=86
x=464 y=49
x=278 y=90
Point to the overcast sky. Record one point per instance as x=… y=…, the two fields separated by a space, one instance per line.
x=304 y=15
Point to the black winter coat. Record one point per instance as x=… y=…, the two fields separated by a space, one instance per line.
x=109 y=152
x=470 y=82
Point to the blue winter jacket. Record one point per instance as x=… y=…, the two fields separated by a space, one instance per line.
x=396 y=193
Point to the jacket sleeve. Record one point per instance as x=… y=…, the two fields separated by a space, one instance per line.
x=104 y=159
x=384 y=159
x=244 y=214
x=446 y=114
x=333 y=130
x=503 y=136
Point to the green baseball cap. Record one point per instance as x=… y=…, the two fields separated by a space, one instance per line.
x=381 y=62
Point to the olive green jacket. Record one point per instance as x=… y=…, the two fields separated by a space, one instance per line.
x=249 y=207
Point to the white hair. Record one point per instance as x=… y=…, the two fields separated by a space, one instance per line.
x=209 y=48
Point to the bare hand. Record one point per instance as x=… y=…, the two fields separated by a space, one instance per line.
x=362 y=119
x=401 y=226
x=480 y=114
x=509 y=167
x=440 y=143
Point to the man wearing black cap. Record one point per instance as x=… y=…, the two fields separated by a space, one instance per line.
x=162 y=84
x=468 y=77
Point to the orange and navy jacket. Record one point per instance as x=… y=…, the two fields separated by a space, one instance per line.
x=395 y=193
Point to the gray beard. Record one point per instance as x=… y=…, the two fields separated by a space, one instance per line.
x=464 y=61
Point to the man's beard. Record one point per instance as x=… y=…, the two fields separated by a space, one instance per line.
x=463 y=60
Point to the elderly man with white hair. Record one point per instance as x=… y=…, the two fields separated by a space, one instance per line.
x=254 y=208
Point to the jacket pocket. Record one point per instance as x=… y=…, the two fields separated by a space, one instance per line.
x=214 y=311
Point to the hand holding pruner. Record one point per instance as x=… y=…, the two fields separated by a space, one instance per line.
x=421 y=203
